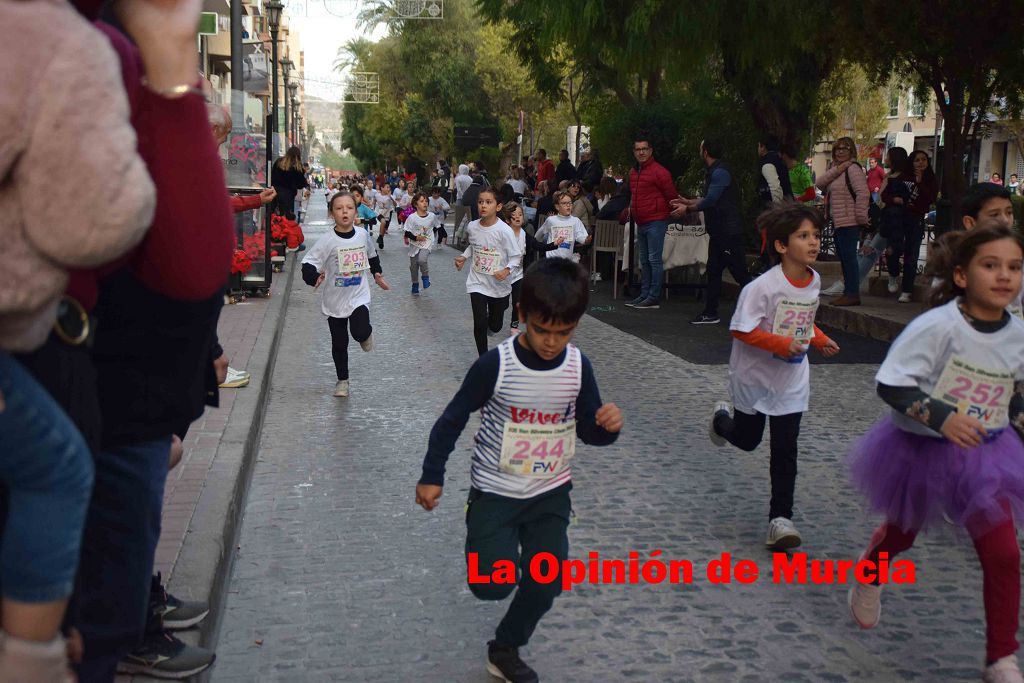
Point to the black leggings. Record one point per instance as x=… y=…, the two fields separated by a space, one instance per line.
x=746 y=431
x=517 y=289
x=488 y=313
x=359 y=324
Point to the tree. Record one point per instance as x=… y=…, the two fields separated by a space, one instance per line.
x=856 y=107
x=966 y=54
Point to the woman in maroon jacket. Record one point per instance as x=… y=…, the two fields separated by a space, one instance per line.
x=906 y=245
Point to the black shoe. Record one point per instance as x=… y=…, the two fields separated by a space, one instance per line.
x=705 y=319
x=648 y=303
x=161 y=655
x=176 y=614
x=503 y=662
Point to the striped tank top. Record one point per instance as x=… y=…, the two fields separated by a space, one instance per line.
x=524 y=397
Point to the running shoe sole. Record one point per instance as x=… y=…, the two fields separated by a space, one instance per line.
x=849 y=603
x=181 y=624
x=143 y=670
x=787 y=542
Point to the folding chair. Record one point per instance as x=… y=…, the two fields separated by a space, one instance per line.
x=608 y=237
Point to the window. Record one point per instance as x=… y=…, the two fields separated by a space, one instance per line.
x=894 y=103
x=915 y=107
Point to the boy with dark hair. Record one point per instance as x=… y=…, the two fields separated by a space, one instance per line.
x=772 y=328
x=537 y=394
x=987 y=205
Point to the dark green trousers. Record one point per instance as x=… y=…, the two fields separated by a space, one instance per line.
x=502 y=528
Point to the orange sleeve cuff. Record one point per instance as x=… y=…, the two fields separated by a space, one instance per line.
x=773 y=343
x=819 y=340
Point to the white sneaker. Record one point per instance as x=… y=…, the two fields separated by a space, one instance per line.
x=835 y=289
x=865 y=603
x=1004 y=670
x=341 y=388
x=894 y=284
x=716 y=438
x=906 y=298
x=235 y=379
x=367 y=345
x=782 y=534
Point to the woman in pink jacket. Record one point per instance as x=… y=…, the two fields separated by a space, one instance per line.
x=847 y=189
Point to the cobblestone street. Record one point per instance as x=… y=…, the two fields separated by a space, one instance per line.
x=340 y=577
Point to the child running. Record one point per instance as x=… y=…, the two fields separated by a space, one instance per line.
x=365 y=216
x=953 y=380
x=340 y=259
x=439 y=207
x=565 y=227
x=513 y=215
x=493 y=252
x=419 y=232
x=536 y=394
x=384 y=206
x=768 y=370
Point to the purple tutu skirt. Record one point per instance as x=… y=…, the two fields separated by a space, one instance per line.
x=913 y=479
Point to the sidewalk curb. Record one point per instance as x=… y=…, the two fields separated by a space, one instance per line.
x=203 y=569
x=855 y=322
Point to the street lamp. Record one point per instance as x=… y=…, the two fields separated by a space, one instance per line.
x=286 y=69
x=293 y=89
x=273 y=9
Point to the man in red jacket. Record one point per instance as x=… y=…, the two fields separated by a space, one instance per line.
x=651 y=191
x=545 y=169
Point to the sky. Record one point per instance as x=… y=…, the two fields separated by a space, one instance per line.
x=324 y=26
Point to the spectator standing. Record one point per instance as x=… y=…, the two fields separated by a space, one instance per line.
x=288 y=178
x=1014 y=185
x=545 y=169
x=847 y=189
x=923 y=189
x=590 y=169
x=651 y=194
x=723 y=219
x=800 y=180
x=518 y=183
x=565 y=169
x=773 y=178
x=471 y=195
x=876 y=176
x=996 y=179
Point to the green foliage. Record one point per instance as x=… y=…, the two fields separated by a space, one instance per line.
x=343 y=161
x=432 y=75
x=855 y=107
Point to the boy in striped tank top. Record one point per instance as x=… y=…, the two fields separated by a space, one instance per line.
x=537 y=394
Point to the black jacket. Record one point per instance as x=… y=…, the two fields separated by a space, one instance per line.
x=565 y=171
x=764 y=192
x=725 y=217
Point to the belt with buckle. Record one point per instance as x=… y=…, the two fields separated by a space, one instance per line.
x=73 y=326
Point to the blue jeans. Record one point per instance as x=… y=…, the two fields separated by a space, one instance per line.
x=846 y=247
x=121 y=533
x=651 y=243
x=48 y=472
x=866 y=262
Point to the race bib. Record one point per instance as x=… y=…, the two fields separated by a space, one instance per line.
x=541 y=451
x=352 y=261
x=795 y=319
x=567 y=237
x=486 y=260
x=976 y=392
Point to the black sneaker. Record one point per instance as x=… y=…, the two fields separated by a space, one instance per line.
x=161 y=655
x=705 y=319
x=503 y=662
x=176 y=614
x=648 y=303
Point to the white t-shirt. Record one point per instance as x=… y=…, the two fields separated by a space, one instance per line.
x=345 y=289
x=438 y=206
x=979 y=367
x=518 y=272
x=491 y=249
x=569 y=228
x=760 y=381
x=518 y=186
x=401 y=197
x=423 y=228
x=383 y=203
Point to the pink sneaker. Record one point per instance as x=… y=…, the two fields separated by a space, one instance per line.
x=1004 y=670
x=865 y=603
